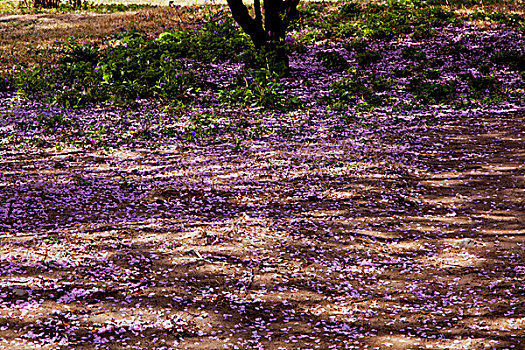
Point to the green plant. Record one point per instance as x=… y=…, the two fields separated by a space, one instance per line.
x=413 y=54
x=366 y=57
x=423 y=31
x=50 y=121
x=381 y=82
x=51 y=240
x=218 y=39
x=512 y=58
x=429 y=92
x=311 y=10
x=461 y=3
x=332 y=60
x=203 y=124
x=482 y=85
x=131 y=66
x=257 y=88
x=372 y=20
x=357 y=45
x=393 y=18
x=79 y=180
x=497 y=16
x=348 y=91
x=404 y=72
x=351 y=9
x=432 y=74
x=266 y=60
x=484 y=69
x=455 y=49
x=35 y=81
x=72 y=52
x=347 y=29
x=107 y=8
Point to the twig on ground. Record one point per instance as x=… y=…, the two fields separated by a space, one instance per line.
x=253 y=271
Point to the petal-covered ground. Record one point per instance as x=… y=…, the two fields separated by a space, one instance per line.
x=395 y=227
x=409 y=235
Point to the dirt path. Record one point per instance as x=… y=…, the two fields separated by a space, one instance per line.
x=402 y=236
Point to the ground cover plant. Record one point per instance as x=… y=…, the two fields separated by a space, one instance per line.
x=164 y=185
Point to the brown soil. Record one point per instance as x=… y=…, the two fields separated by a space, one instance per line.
x=411 y=239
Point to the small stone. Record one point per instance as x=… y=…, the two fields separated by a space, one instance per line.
x=466 y=243
x=19 y=292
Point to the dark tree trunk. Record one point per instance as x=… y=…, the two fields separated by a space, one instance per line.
x=252 y=27
x=290 y=12
x=277 y=17
x=273 y=20
x=258 y=13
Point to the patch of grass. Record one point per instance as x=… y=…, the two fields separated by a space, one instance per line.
x=332 y=60
x=482 y=86
x=404 y=72
x=79 y=180
x=350 y=9
x=401 y=17
x=357 y=45
x=352 y=91
x=510 y=19
x=50 y=122
x=432 y=74
x=470 y=3
x=411 y=53
x=432 y=92
x=423 y=31
x=131 y=65
x=367 y=57
x=512 y=58
x=29 y=40
x=219 y=38
x=311 y=10
x=27 y=7
x=308 y=23
x=381 y=82
x=258 y=88
x=271 y=60
x=202 y=125
x=112 y=8
x=372 y=20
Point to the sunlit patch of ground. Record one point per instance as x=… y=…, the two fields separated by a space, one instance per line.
x=25 y=39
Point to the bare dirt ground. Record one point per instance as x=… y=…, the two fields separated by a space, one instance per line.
x=409 y=236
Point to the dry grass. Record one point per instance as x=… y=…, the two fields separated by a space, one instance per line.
x=26 y=38
x=516 y=7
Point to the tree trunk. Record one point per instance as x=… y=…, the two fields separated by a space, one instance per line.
x=252 y=27
x=267 y=37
